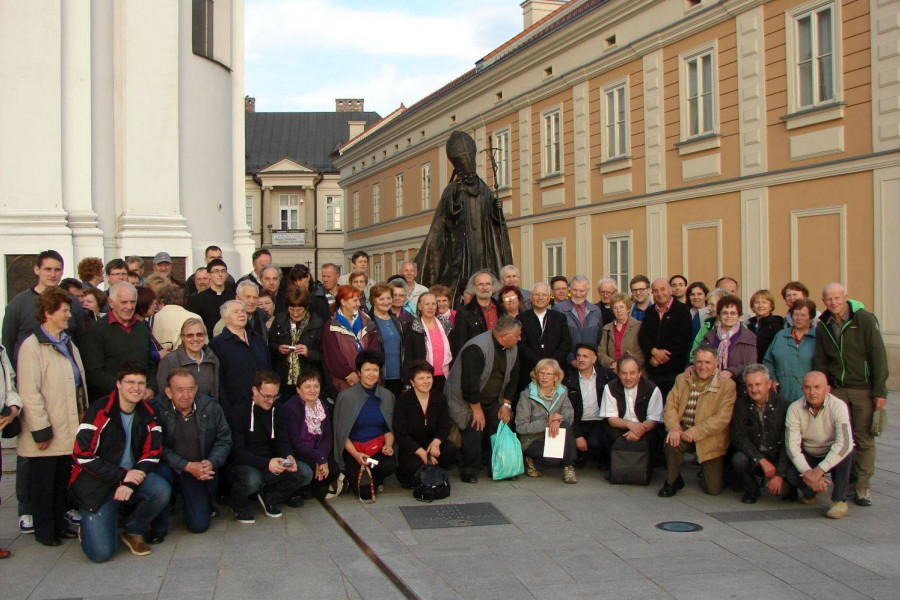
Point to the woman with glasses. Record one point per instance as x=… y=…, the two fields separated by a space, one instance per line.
x=511 y=300
x=193 y=354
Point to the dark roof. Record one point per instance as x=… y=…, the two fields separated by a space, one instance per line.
x=308 y=138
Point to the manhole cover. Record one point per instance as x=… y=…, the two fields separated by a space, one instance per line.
x=679 y=526
x=440 y=516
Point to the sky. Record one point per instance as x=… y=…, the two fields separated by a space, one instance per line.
x=302 y=54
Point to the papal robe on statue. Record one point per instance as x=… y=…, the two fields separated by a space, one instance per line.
x=468 y=232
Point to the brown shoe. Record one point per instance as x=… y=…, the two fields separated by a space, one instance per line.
x=136 y=544
x=530 y=469
x=569 y=474
x=838 y=510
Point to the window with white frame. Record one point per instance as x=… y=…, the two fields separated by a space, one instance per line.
x=615 y=120
x=355 y=210
x=618 y=259
x=333 y=213
x=501 y=156
x=554 y=257
x=289 y=207
x=379 y=271
x=552 y=136
x=699 y=103
x=813 y=55
x=376 y=203
x=248 y=211
x=426 y=186
x=398 y=186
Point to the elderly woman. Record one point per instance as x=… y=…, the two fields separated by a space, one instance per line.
x=735 y=344
x=192 y=354
x=242 y=354
x=790 y=356
x=399 y=306
x=10 y=407
x=53 y=392
x=311 y=432
x=363 y=414
x=266 y=303
x=360 y=280
x=390 y=336
x=94 y=304
x=543 y=405
x=620 y=336
x=764 y=324
x=427 y=339
x=421 y=424
x=348 y=333
x=511 y=300
x=295 y=340
x=442 y=295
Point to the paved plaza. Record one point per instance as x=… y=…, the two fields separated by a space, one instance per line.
x=590 y=540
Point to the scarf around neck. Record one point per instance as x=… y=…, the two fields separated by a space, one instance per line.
x=724 y=336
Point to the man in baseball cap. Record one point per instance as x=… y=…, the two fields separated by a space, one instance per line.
x=162 y=266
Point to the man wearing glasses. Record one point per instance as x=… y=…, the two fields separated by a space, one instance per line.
x=208 y=302
x=117 y=468
x=640 y=293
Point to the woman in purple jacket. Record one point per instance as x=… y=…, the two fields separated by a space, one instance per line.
x=735 y=344
x=311 y=433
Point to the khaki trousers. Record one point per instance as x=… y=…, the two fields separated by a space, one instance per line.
x=712 y=469
x=861 y=407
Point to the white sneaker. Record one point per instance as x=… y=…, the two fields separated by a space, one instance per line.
x=26 y=524
x=73 y=517
x=338 y=487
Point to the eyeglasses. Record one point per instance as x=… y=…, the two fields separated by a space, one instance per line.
x=272 y=397
x=190 y=336
x=643 y=289
x=218 y=272
x=511 y=299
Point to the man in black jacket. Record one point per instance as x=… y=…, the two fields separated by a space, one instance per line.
x=632 y=406
x=585 y=384
x=545 y=334
x=207 y=303
x=757 y=435
x=262 y=463
x=196 y=443
x=665 y=337
x=480 y=314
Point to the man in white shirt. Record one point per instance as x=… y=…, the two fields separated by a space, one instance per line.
x=409 y=270
x=359 y=261
x=585 y=385
x=632 y=406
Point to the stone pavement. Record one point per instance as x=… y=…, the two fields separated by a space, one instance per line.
x=590 y=540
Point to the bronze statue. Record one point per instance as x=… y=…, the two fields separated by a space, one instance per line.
x=468 y=232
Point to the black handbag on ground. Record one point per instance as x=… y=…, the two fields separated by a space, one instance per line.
x=431 y=482
x=629 y=462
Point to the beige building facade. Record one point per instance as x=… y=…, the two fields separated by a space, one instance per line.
x=751 y=138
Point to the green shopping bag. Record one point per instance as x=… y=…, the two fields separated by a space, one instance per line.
x=506 y=454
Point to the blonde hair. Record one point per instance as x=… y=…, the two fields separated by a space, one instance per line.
x=543 y=364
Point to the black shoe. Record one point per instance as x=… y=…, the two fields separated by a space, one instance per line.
x=244 y=516
x=749 y=498
x=270 y=509
x=295 y=502
x=469 y=478
x=67 y=534
x=670 y=489
x=155 y=538
x=48 y=541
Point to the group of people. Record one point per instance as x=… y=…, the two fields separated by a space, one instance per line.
x=272 y=389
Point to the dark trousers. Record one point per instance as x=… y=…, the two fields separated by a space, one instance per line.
x=196 y=500
x=594 y=433
x=384 y=469
x=408 y=463
x=438 y=386
x=752 y=474
x=247 y=480
x=319 y=487
x=476 y=445
x=535 y=451
x=23 y=497
x=840 y=477
x=712 y=470
x=47 y=482
x=665 y=383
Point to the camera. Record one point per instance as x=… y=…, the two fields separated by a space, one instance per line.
x=372 y=462
x=287 y=463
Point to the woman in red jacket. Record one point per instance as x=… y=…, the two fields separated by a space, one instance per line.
x=348 y=333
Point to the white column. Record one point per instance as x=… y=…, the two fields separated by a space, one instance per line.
x=751 y=92
x=525 y=200
x=145 y=88
x=582 y=147
x=87 y=239
x=243 y=243
x=754 y=242
x=654 y=123
x=656 y=241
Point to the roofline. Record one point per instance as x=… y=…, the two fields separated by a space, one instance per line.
x=376 y=125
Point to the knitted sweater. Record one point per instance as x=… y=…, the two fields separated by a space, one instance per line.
x=107 y=347
x=826 y=434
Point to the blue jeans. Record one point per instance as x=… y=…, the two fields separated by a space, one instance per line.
x=98 y=529
x=196 y=500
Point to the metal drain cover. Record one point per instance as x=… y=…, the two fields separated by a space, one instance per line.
x=439 y=516
x=679 y=526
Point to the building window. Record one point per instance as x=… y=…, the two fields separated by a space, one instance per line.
x=618 y=259
x=554 y=257
x=426 y=186
x=814 y=59
x=376 y=203
x=615 y=121
x=211 y=30
x=289 y=205
x=355 y=210
x=501 y=156
x=400 y=261
x=698 y=93
x=398 y=186
x=552 y=159
x=248 y=211
x=379 y=271
x=333 y=213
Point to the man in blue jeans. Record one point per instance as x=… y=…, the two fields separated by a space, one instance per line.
x=196 y=443
x=117 y=469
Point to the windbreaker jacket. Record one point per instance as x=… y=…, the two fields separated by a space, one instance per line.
x=340 y=350
x=532 y=413
x=855 y=359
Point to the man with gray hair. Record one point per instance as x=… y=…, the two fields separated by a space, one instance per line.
x=480 y=314
x=545 y=334
x=409 y=270
x=115 y=339
x=606 y=287
x=509 y=275
x=270 y=279
x=757 y=436
x=582 y=317
x=481 y=391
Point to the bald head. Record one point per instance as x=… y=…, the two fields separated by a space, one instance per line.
x=661 y=290
x=834 y=296
x=815 y=387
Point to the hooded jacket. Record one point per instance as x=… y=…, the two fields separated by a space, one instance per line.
x=855 y=359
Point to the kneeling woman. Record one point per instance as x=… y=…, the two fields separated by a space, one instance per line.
x=545 y=404
x=310 y=432
x=421 y=424
x=363 y=414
